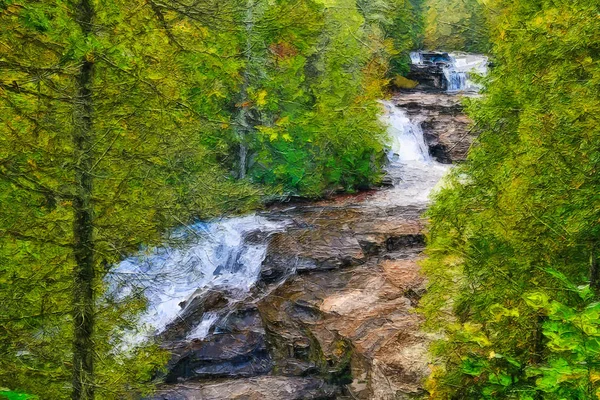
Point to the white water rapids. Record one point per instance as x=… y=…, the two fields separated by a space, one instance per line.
x=227 y=254
x=407 y=143
x=219 y=254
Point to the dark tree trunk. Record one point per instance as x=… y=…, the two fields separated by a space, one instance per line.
x=244 y=125
x=594 y=273
x=83 y=289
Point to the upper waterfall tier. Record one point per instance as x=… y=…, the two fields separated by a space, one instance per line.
x=452 y=72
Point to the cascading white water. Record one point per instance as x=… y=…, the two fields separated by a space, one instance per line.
x=458 y=68
x=411 y=167
x=203 y=328
x=218 y=254
x=455 y=80
x=458 y=74
x=407 y=142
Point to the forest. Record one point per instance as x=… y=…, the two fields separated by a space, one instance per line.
x=121 y=121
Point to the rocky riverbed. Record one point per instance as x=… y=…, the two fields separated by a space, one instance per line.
x=332 y=313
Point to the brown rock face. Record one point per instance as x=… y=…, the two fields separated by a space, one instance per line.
x=260 y=388
x=336 y=303
x=349 y=318
x=356 y=329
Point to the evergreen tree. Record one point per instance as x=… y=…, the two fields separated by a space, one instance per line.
x=100 y=151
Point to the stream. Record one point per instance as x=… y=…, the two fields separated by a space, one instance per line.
x=309 y=300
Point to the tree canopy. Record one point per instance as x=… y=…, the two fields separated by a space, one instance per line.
x=457 y=25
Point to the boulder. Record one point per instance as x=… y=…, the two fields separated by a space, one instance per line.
x=235 y=348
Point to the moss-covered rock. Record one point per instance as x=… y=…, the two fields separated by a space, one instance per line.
x=404 y=83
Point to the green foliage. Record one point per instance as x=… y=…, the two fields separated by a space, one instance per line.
x=407 y=32
x=516 y=229
x=6 y=394
x=569 y=368
x=151 y=171
x=401 y=22
x=573 y=338
x=457 y=25
x=312 y=99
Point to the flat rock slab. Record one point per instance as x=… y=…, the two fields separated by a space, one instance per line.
x=364 y=316
x=260 y=388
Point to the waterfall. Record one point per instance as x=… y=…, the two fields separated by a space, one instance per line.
x=455 y=80
x=225 y=254
x=415 y=57
x=412 y=171
x=458 y=73
x=202 y=330
x=458 y=68
x=407 y=141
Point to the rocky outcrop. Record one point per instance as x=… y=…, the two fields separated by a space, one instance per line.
x=335 y=299
x=429 y=77
x=356 y=328
x=349 y=318
x=336 y=235
x=260 y=388
x=446 y=128
x=236 y=347
x=428 y=71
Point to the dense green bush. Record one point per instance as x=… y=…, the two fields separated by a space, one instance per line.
x=514 y=236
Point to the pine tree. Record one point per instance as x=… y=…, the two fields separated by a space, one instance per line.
x=100 y=152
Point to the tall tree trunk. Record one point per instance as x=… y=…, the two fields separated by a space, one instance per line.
x=594 y=273
x=243 y=115
x=83 y=290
